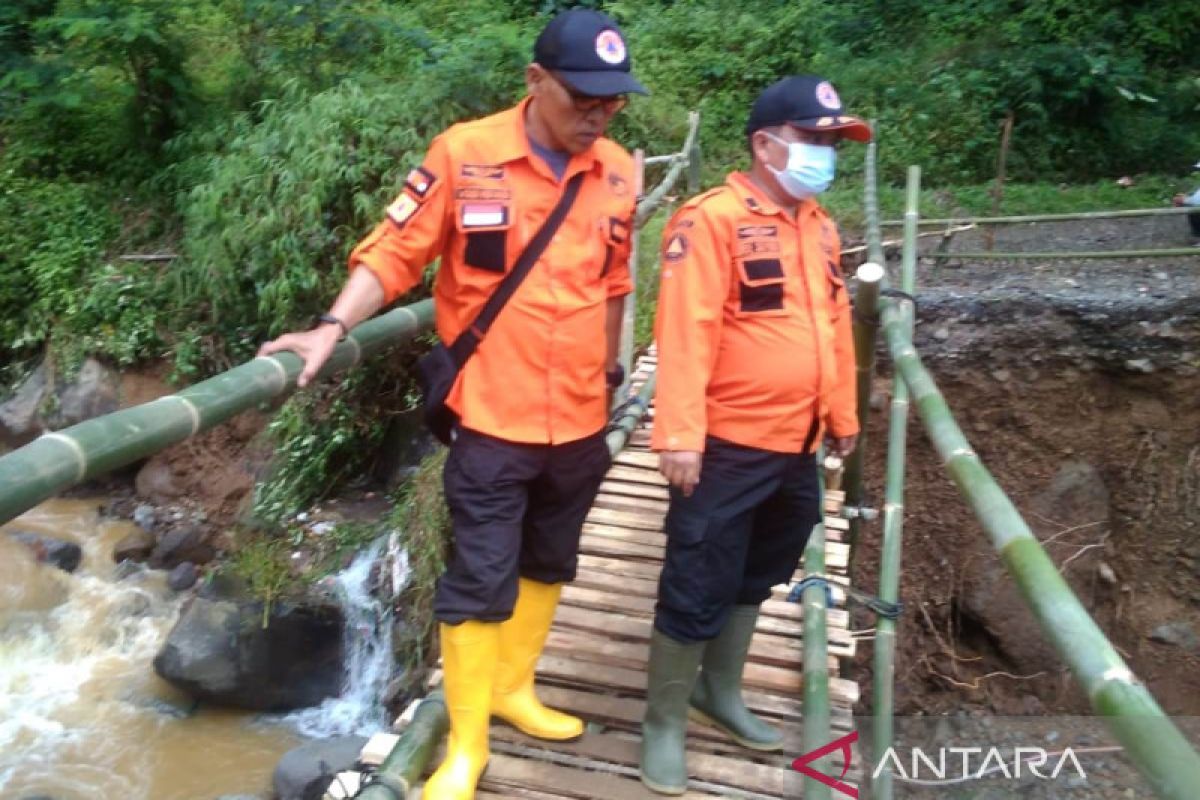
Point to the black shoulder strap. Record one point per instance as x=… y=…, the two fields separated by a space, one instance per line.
x=470 y=338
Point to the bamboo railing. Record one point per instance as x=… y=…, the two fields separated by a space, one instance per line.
x=1150 y=739
x=58 y=460
x=866 y=329
x=884 y=676
x=687 y=159
x=1051 y=255
x=1065 y=217
x=815 y=730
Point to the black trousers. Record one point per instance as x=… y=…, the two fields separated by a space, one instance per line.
x=741 y=532
x=517 y=510
x=1194 y=221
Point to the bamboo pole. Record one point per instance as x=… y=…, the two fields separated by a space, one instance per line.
x=953 y=229
x=871 y=206
x=57 y=460
x=1159 y=253
x=1013 y=220
x=816 y=725
x=1001 y=168
x=866 y=327
x=695 y=166
x=1149 y=737
x=622 y=425
x=651 y=202
x=870 y=279
x=629 y=314
x=403 y=766
x=883 y=703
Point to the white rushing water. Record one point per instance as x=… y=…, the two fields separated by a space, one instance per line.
x=66 y=646
x=369 y=660
x=82 y=714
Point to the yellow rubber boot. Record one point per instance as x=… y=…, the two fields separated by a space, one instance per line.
x=521 y=640
x=469 y=652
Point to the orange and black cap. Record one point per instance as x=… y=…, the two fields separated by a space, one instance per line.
x=587 y=51
x=806 y=101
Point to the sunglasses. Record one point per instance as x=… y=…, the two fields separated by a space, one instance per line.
x=586 y=103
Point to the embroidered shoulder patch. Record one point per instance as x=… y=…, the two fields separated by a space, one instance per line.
x=402 y=209
x=420 y=181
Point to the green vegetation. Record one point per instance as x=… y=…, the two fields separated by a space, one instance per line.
x=262 y=562
x=421 y=525
x=258 y=140
x=418 y=521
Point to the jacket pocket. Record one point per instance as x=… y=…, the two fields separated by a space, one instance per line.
x=761 y=285
x=615 y=233
x=837 y=284
x=485 y=228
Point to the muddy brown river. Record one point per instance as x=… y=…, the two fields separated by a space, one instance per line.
x=82 y=714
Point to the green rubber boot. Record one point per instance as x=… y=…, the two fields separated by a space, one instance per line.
x=671 y=675
x=717 y=698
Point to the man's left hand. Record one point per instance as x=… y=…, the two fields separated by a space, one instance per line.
x=841 y=446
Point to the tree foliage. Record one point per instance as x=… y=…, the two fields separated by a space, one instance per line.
x=260 y=139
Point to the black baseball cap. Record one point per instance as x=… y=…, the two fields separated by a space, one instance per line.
x=587 y=50
x=806 y=101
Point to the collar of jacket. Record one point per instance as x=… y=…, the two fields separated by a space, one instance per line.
x=754 y=199
x=512 y=143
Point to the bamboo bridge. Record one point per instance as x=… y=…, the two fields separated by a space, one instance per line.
x=595 y=658
x=594 y=662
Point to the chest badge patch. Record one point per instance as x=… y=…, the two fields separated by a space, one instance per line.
x=484 y=215
x=491 y=171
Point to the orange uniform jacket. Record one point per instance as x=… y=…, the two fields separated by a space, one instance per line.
x=753 y=325
x=477 y=199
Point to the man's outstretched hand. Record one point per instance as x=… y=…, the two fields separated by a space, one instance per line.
x=313 y=347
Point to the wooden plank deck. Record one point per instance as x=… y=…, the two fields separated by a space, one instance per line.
x=595 y=660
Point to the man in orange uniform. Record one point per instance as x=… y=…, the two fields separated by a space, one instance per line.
x=756 y=364
x=530 y=453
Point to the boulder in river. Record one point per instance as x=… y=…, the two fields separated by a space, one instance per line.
x=220 y=652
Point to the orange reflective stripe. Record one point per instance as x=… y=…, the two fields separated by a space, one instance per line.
x=753 y=326
x=538 y=376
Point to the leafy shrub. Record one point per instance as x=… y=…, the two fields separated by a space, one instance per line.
x=55 y=232
x=285 y=199
x=97 y=86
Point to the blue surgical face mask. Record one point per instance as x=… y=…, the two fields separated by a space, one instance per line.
x=810 y=168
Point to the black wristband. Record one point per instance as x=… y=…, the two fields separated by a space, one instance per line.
x=330 y=319
x=614 y=377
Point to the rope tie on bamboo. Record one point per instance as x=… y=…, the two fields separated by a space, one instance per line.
x=902 y=295
x=396 y=787
x=624 y=410
x=879 y=606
